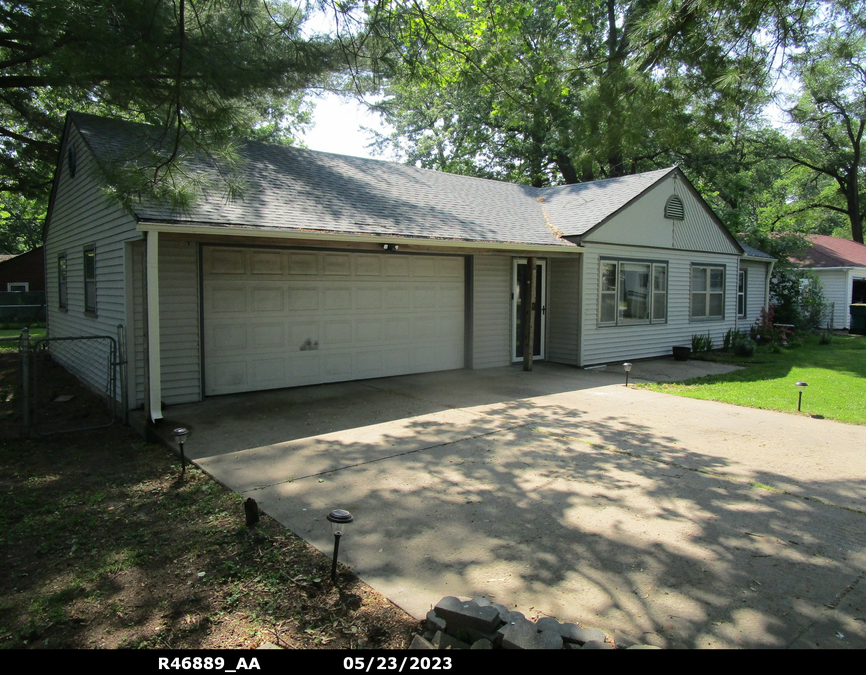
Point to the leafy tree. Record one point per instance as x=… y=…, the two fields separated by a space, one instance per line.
x=20 y=224
x=205 y=71
x=830 y=117
x=548 y=92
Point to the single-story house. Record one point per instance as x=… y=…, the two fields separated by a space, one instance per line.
x=335 y=268
x=840 y=265
x=24 y=272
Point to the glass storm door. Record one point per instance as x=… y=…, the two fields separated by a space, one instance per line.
x=519 y=277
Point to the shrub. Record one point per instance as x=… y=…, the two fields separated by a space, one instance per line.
x=798 y=298
x=740 y=343
x=701 y=343
x=765 y=330
x=814 y=309
x=745 y=347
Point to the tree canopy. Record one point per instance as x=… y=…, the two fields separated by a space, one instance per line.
x=540 y=92
x=829 y=114
x=207 y=71
x=549 y=92
x=561 y=92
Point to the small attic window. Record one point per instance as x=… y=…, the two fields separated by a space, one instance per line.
x=674 y=208
x=72 y=159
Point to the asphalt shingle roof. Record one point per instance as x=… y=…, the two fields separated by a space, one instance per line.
x=833 y=252
x=576 y=209
x=299 y=189
x=753 y=252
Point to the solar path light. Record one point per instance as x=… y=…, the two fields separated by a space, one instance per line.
x=339 y=519
x=627 y=368
x=180 y=434
x=802 y=387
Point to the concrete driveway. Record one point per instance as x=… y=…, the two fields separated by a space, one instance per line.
x=560 y=492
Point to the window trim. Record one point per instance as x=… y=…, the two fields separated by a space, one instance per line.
x=744 y=293
x=62 y=282
x=708 y=292
x=652 y=294
x=10 y=284
x=89 y=309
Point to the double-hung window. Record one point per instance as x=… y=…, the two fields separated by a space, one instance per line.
x=61 y=281
x=632 y=292
x=708 y=292
x=90 y=280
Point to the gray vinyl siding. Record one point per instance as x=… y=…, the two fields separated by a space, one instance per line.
x=138 y=333
x=492 y=309
x=642 y=223
x=82 y=216
x=179 y=315
x=563 y=315
x=756 y=286
x=605 y=344
x=837 y=289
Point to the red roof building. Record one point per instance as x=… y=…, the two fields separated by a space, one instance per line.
x=840 y=264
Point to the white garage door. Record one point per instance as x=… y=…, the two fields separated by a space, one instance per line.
x=276 y=318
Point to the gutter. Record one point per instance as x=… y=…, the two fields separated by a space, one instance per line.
x=834 y=269
x=279 y=233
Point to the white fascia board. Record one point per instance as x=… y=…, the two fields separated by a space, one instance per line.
x=753 y=258
x=277 y=233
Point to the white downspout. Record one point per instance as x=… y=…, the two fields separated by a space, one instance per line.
x=767 y=289
x=154 y=370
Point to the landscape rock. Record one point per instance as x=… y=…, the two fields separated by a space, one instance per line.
x=523 y=634
x=467 y=615
x=480 y=624
x=444 y=641
x=434 y=622
x=419 y=642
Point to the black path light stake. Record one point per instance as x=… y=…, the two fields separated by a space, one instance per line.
x=627 y=368
x=339 y=519
x=802 y=387
x=180 y=434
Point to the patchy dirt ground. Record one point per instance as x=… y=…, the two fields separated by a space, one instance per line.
x=105 y=545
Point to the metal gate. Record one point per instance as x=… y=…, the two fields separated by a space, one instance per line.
x=72 y=383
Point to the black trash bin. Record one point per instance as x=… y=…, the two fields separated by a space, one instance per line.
x=858 y=319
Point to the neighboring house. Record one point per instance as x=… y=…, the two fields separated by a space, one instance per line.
x=840 y=265
x=24 y=272
x=337 y=268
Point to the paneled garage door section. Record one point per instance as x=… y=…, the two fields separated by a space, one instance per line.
x=275 y=318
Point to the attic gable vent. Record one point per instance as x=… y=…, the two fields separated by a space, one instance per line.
x=674 y=208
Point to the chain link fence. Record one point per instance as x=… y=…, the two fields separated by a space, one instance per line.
x=71 y=383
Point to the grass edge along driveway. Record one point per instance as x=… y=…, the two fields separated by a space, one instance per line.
x=835 y=374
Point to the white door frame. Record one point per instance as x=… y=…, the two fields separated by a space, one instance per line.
x=540 y=312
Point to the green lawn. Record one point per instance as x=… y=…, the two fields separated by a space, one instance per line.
x=35 y=334
x=835 y=373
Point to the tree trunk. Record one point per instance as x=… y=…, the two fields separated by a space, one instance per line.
x=852 y=199
x=566 y=168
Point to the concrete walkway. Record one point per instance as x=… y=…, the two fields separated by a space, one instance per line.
x=560 y=492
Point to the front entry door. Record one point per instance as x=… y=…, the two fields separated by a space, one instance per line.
x=519 y=277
